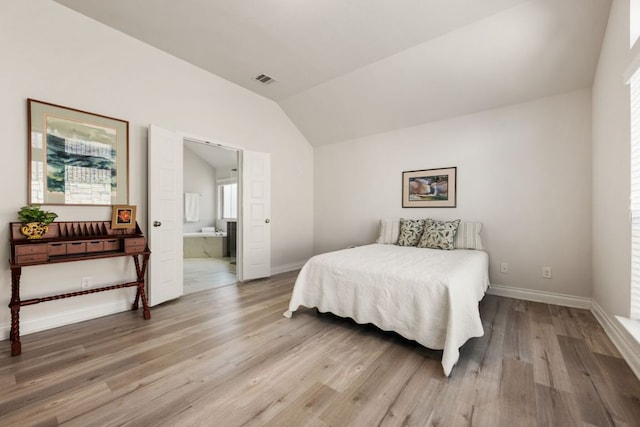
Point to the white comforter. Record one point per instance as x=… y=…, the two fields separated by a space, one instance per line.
x=427 y=295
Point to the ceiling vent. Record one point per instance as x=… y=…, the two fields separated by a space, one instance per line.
x=264 y=79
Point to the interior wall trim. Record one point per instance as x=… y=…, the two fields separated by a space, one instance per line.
x=284 y=268
x=29 y=325
x=540 y=296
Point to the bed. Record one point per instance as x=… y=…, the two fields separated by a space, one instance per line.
x=427 y=295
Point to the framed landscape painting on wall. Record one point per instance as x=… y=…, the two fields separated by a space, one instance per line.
x=76 y=157
x=429 y=188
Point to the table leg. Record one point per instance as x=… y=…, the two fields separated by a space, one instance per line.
x=140 y=292
x=14 y=305
x=134 y=306
x=145 y=307
x=136 y=261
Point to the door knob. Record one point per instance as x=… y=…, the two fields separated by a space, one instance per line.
x=267 y=220
x=157 y=223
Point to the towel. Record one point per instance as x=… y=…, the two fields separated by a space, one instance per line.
x=191 y=207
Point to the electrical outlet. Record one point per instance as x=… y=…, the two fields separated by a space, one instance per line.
x=546 y=272
x=504 y=268
x=86 y=282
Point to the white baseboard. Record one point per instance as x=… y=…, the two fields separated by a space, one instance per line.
x=628 y=347
x=287 y=267
x=540 y=296
x=28 y=326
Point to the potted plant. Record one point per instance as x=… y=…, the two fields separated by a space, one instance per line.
x=35 y=221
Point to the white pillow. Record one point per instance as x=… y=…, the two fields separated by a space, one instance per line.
x=468 y=236
x=389 y=231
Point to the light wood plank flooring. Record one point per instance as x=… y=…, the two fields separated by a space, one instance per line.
x=227 y=357
x=203 y=274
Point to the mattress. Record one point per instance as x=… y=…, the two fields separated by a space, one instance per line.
x=426 y=295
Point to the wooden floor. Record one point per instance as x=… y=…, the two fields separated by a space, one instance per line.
x=227 y=357
x=200 y=274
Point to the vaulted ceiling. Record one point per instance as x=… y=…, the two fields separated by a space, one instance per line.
x=351 y=68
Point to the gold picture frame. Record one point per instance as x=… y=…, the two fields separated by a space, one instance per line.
x=76 y=157
x=123 y=216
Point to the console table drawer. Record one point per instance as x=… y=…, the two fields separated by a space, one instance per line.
x=76 y=248
x=27 y=259
x=97 y=246
x=31 y=249
x=112 y=245
x=57 y=249
x=134 y=245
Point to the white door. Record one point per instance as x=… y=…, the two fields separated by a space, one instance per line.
x=165 y=215
x=255 y=229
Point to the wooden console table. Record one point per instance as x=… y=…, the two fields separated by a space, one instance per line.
x=74 y=241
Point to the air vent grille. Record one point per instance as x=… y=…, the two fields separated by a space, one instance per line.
x=264 y=79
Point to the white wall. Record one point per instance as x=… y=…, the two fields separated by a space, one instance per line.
x=524 y=171
x=611 y=163
x=56 y=55
x=200 y=177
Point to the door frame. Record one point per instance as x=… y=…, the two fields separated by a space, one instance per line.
x=239 y=149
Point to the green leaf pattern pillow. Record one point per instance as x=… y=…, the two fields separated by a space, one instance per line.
x=438 y=234
x=410 y=231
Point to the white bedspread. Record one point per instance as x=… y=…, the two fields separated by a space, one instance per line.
x=427 y=295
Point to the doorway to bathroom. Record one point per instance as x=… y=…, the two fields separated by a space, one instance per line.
x=210 y=186
x=166 y=212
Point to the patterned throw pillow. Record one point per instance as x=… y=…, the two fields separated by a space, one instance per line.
x=410 y=231
x=438 y=234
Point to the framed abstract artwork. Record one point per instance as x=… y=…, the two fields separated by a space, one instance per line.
x=429 y=188
x=76 y=157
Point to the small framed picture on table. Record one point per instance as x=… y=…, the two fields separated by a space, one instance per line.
x=123 y=216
